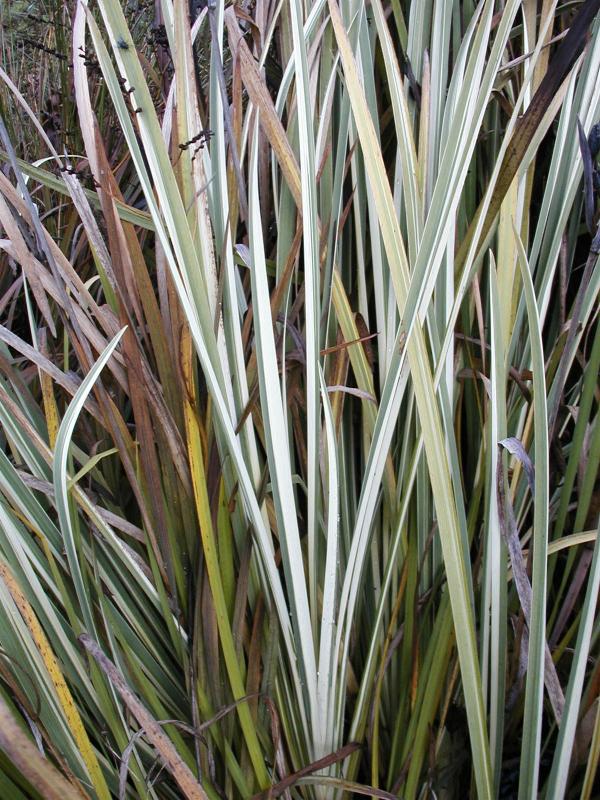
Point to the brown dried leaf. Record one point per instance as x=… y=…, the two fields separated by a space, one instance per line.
x=174 y=763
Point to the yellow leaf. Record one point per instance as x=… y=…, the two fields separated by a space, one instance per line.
x=54 y=671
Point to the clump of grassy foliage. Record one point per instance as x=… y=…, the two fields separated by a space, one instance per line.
x=299 y=411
